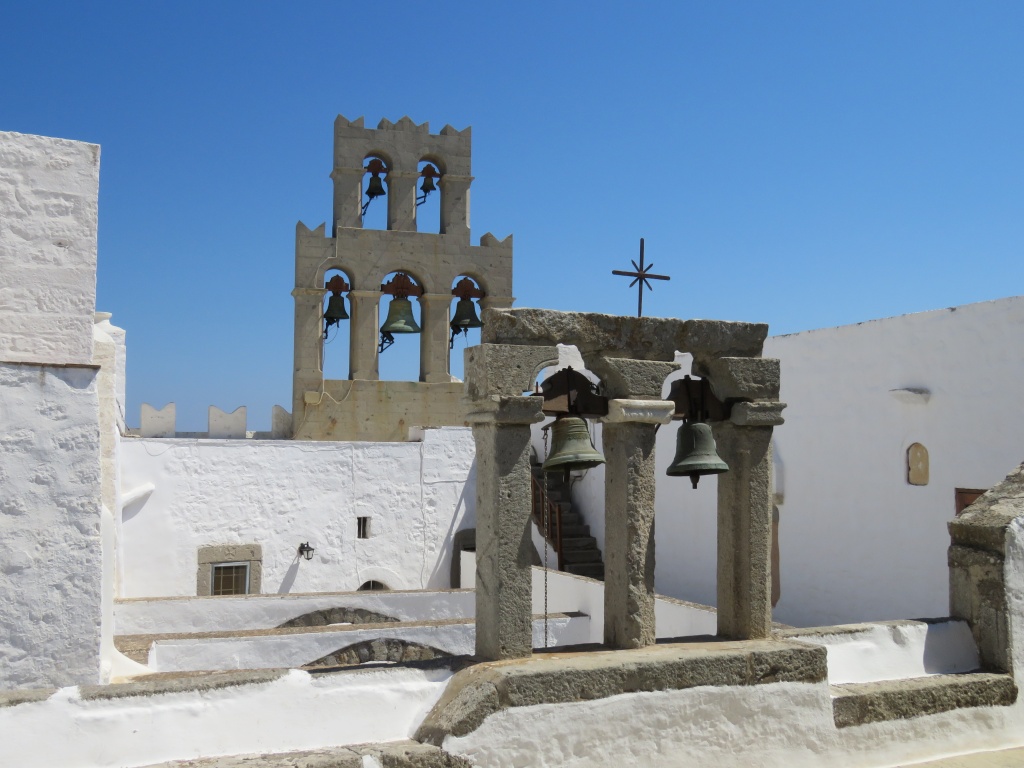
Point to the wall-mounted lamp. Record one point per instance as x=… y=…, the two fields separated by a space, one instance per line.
x=306 y=551
x=428 y=174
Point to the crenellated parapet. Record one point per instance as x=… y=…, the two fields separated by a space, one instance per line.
x=162 y=423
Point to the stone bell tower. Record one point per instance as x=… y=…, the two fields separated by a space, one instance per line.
x=362 y=407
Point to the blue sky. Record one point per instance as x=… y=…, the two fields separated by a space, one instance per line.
x=804 y=164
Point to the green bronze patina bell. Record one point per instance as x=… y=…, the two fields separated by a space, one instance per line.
x=335 y=310
x=571 y=447
x=400 y=318
x=465 y=316
x=696 y=454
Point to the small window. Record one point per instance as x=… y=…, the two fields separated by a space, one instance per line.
x=230 y=579
x=373 y=586
x=363 y=527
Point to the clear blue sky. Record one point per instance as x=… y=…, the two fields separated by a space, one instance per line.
x=804 y=164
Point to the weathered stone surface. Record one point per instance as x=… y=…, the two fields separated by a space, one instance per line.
x=338 y=615
x=631 y=379
x=475 y=693
x=983 y=525
x=749 y=378
x=862 y=703
x=504 y=369
x=401 y=754
x=744 y=531
x=758 y=414
x=629 y=534
x=13 y=698
x=388 y=649
x=505 y=410
x=641 y=338
x=176 y=683
x=639 y=411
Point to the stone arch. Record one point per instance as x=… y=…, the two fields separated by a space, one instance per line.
x=379 y=573
x=337 y=615
x=386 y=649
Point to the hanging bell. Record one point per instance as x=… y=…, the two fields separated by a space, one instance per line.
x=465 y=316
x=427 y=186
x=571 y=447
x=335 y=311
x=375 y=188
x=696 y=454
x=400 y=318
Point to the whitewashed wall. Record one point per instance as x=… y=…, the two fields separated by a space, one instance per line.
x=282 y=493
x=50 y=559
x=48 y=203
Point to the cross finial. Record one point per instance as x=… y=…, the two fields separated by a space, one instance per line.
x=641 y=276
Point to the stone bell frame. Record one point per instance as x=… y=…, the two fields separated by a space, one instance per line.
x=633 y=357
x=362 y=407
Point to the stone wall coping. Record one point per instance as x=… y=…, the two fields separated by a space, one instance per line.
x=853 y=629
x=984 y=523
x=398 y=754
x=560 y=677
x=295 y=595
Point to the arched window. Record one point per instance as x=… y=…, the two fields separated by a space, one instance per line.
x=400 y=327
x=375 y=191
x=428 y=196
x=374 y=586
x=334 y=360
x=464 y=320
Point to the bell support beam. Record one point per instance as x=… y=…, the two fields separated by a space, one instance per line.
x=628 y=442
x=402 y=200
x=348 y=194
x=364 y=330
x=434 y=311
x=455 y=205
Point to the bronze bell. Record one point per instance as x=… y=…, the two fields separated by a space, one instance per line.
x=400 y=318
x=696 y=454
x=571 y=447
x=335 y=311
x=427 y=186
x=375 y=188
x=465 y=316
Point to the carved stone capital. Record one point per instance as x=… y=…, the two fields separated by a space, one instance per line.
x=496 y=409
x=504 y=369
x=758 y=414
x=639 y=411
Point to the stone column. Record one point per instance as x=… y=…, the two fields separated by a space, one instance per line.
x=496 y=376
x=628 y=443
x=365 y=330
x=348 y=197
x=307 y=371
x=634 y=413
x=455 y=205
x=434 y=313
x=402 y=200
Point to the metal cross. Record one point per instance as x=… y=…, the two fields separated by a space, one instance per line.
x=642 y=275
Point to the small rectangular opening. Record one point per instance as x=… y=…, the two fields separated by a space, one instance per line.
x=229 y=579
x=363 y=527
x=965 y=497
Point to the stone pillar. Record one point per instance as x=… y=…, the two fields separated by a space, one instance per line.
x=365 y=330
x=402 y=200
x=628 y=443
x=307 y=371
x=744 y=531
x=496 y=377
x=455 y=205
x=348 y=198
x=435 y=318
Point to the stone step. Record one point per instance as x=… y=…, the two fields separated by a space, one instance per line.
x=581 y=556
x=572 y=518
x=579 y=542
x=574 y=531
x=863 y=703
x=398 y=754
x=593 y=570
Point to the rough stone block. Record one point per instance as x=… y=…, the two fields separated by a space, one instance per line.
x=505 y=410
x=223 y=424
x=639 y=411
x=157 y=422
x=758 y=414
x=280 y=423
x=747 y=378
x=643 y=338
x=632 y=379
x=505 y=369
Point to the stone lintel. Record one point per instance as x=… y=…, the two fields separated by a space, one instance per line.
x=758 y=414
x=863 y=703
x=318 y=292
x=481 y=690
x=642 y=338
x=505 y=410
x=747 y=378
x=504 y=369
x=640 y=411
x=631 y=379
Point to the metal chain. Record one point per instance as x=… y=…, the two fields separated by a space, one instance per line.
x=547 y=526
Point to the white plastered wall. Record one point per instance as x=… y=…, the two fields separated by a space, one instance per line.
x=281 y=493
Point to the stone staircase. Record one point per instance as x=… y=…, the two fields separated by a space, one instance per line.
x=580 y=554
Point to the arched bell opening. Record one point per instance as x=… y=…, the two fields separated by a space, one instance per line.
x=375 y=192
x=463 y=321
x=428 y=195
x=335 y=325
x=401 y=327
